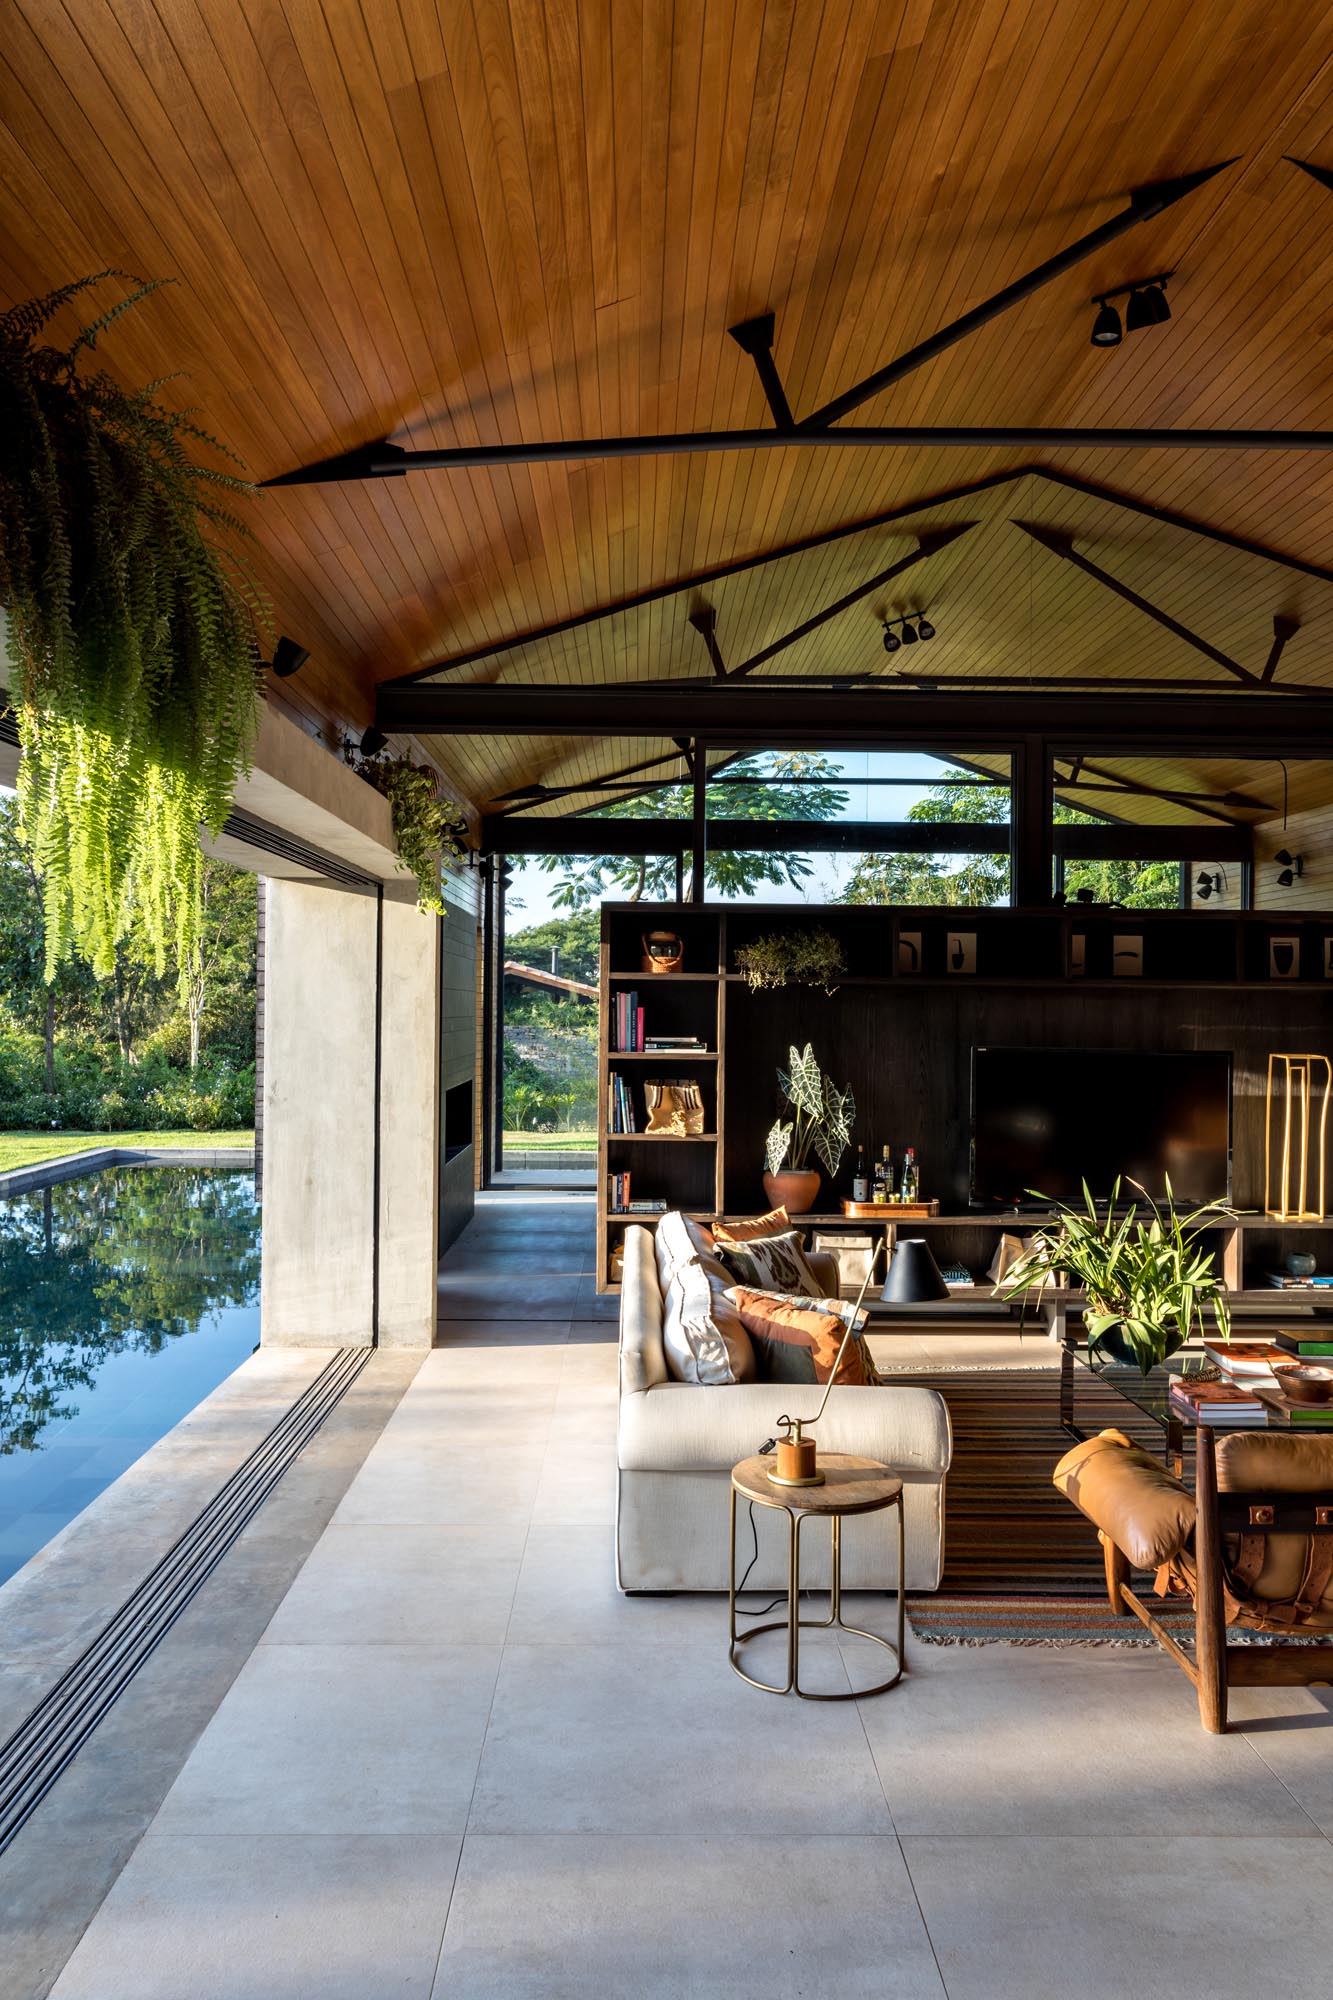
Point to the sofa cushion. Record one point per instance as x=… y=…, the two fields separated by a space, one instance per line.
x=798 y=1342
x=771 y=1224
x=703 y=1334
x=1130 y=1496
x=677 y=1239
x=769 y=1263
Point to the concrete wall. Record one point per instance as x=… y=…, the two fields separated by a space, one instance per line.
x=458 y=1046
x=336 y=1265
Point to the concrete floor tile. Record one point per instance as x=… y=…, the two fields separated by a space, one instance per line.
x=402 y=1586
x=1035 y=1740
x=578 y=1477
x=567 y=1595
x=704 y=1918
x=1292 y=1730
x=481 y=1488
x=340 y=1740
x=1104 y=1917
x=269 y=1918
x=611 y=1739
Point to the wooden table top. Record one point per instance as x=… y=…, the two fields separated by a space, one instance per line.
x=851 y=1485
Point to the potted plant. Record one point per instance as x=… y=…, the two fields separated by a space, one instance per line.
x=1149 y=1282
x=793 y=958
x=821 y=1124
x=426 y=825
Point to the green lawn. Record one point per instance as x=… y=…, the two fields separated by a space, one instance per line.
x=26 y=1149
x=551 y=1142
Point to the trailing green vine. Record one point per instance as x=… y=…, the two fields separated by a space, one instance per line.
x=426 y=826
x=134 y=666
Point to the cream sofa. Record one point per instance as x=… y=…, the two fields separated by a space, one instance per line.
x=676 y=1445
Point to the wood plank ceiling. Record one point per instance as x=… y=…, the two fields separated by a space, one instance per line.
x=471 y=221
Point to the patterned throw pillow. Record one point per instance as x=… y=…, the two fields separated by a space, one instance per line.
x=771 y=1224
x=769 y=1263
x=798 y=1342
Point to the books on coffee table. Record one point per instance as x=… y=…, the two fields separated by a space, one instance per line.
x=1305 y=1343
x=1242 y=1358
x=1216 y=1403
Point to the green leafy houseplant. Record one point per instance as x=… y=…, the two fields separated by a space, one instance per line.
x=131 y=640
x=793 y=958
x=822 y=1121
x=1149 y=1283
x=425 y=825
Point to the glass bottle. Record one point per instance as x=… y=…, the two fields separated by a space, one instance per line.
x=861 y=1179
x=911 y=1180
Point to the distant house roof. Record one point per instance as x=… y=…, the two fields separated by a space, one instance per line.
x=556 y=982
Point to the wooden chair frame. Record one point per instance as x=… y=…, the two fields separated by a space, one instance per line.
x=1216 y=1666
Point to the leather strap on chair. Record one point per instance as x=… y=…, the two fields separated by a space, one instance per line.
x=1249 y=1561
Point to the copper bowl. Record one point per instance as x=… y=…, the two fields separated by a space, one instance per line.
x=1304 y=1385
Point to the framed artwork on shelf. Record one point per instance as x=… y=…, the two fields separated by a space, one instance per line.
x=1284 y=958
x=961 y=951
x=909 y=951
x=1328 y=958
x=1127 y=955
x=1078 y=954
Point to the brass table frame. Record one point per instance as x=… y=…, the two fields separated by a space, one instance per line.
x=793 y=1624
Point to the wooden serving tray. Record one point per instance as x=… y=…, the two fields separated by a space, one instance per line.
x=890 y=1211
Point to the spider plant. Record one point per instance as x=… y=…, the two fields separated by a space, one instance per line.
x=1150 y=1282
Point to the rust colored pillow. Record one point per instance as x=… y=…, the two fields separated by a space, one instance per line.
x=794 y=1343
x=771 y=1224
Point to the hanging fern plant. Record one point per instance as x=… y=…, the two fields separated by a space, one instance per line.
x=426 y=826
x=134 y=667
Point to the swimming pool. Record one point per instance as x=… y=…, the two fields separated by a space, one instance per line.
x=125 y=1297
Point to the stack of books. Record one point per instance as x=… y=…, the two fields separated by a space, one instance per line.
x=1305 y=1346
x=627 y=1023
x=675 y=1045
x=1246 y=1359
x=1318 y=1281
x=1216 y=1403
x=619 y=1202
x=622 y=1107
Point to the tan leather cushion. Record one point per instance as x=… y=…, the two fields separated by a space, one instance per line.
x=771 y=1224
x=1274 y=1462
x=1146 y=1512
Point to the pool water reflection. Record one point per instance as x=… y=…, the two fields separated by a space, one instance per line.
x=125 y=1297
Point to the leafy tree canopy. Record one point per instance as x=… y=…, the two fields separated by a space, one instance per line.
x=587 y=880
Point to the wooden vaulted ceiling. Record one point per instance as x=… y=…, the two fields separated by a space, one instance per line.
x=471 y=221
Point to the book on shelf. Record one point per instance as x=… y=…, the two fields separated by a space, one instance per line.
x=679 y=1045
x=1283 y=1281
x=1305 y=1343
x=621 y=1116
x=620 y=1202
x=1245 y=1358
x=1216 y=1403
x=627 y=1023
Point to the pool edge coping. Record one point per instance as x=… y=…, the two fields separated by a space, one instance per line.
x=69 y=1166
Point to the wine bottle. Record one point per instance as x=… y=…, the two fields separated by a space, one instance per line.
x=879 y=1187
x=861 y=1179
x=911 y=1180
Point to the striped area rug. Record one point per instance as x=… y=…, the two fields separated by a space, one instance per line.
x=1021 y=1564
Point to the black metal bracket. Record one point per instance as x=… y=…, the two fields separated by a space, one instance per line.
x=755 y=338
x=704 y=620
x=1283 y=630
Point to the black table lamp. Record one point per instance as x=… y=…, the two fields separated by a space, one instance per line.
x=914 y=1276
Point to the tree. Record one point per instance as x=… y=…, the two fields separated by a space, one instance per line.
x=576 y=937
x=226 y=956
x=978 y=880
x=31 y=1001
x=586 y=880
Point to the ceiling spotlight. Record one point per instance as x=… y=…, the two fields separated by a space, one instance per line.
x=373 y=741
x=1293 y=867
x=1138 y=313
x=1208 y=885
x=891 y=641
x=288 y=658
x=925 y=630
x=1106 y=330
x=909 y=634
x=1154 y=299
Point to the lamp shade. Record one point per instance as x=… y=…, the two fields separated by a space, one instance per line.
x=914 y=1276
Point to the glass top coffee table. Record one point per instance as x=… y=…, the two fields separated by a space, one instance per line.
x=1150 y=1395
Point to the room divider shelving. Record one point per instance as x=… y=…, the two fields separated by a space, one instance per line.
x=920 y=987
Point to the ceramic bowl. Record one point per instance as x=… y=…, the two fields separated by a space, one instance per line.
x=1304 y=1385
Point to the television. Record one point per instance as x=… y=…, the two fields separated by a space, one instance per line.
x=1051 y=1119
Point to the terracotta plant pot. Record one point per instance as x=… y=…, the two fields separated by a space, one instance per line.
x=792 y=1190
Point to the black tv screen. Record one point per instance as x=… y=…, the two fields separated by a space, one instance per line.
x=1051 y=1119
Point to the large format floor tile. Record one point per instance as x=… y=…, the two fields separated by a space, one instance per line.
x=403 y=1586
x=1104 y=1917
x=701 y=1918
x=269 y=1917
x=1036 y=1740
x=340 y=1740
x=607 y=1739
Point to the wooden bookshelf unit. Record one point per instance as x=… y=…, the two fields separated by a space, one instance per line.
x=900 y=1027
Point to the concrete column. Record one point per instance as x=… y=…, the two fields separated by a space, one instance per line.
x=339 y=1264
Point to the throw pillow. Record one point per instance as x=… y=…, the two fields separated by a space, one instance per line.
x=769 y=1263
x=703 y=1333
x=798 y=1343
x=678 y=1239
x=771 y=1224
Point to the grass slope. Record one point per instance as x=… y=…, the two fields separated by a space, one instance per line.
x=26 y=1149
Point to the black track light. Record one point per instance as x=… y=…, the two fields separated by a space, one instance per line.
x=373 y=741
x=1138 y=313
x=1154 y=298
x=1293 y=867
x=925 y=630
x=909 y=634
x=1208 y=885
x=1106 y=329
x=288 y=658
x=891 y=640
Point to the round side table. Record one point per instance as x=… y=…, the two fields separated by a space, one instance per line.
x=851 y=1486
